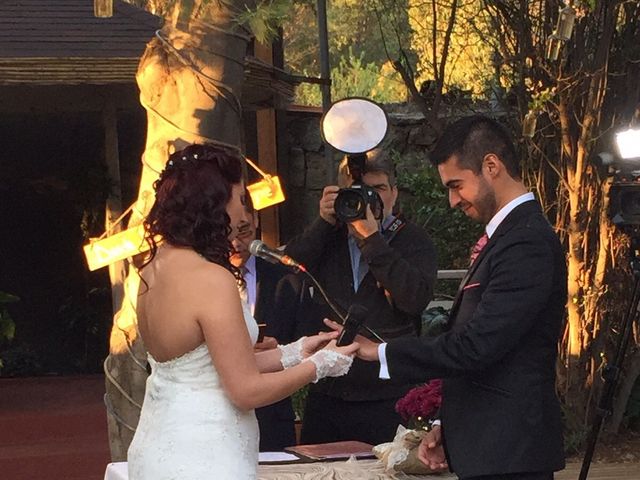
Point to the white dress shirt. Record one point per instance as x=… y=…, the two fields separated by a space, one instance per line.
x=250 y=278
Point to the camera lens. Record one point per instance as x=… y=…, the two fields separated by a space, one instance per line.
x=350 y=205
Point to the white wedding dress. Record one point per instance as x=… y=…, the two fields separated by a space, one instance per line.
x=189 y=429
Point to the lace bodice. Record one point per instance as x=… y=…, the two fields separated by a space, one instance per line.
x=188 y=428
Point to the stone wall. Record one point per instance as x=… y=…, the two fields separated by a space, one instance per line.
x=303 y=168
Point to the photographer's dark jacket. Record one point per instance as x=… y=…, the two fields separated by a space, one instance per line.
x=397 y=288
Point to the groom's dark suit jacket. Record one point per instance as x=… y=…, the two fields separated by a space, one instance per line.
x=274 y=306
x=500 y=413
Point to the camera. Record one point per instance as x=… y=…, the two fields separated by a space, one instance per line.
x=624 y=194
x=351 y=203
x=624 y=201
x=355 y=126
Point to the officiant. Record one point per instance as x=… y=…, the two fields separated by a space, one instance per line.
x=271 y=305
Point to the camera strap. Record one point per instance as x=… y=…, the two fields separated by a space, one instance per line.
x=389 y=234
x=392 y=230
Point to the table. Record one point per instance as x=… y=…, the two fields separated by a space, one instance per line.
x=349 y=470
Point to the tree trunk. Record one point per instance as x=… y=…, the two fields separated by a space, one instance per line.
x=190 y=79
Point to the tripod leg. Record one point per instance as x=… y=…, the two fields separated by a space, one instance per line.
x=610 y=376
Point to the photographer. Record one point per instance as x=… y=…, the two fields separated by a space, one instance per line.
x=388 y=265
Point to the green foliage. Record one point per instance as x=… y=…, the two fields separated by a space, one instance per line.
x=298 y=399
x=353 y=77
x=357 y=49
x=632 y=413
x=540 y=99
x=83 y=321
x=434 y=321
x=265 y=18
x=575 y=432
x=470 y=46
x=7 y=325
x=21 y=360
x=427 y=205
x=352 y=27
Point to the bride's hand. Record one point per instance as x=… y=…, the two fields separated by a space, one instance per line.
x=311 y=345
x=333 y=361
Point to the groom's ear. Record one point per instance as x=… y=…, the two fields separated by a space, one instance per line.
x=491 y=165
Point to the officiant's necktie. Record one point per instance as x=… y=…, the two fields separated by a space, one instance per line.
x=477 y=248
x=244 y=294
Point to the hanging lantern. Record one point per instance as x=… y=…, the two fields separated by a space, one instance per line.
x=267 y=191
x=103 y=8
x=566 y=20
x=529 y=124
x=554 y=44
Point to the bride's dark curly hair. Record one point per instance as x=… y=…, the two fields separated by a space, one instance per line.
x=192 y=193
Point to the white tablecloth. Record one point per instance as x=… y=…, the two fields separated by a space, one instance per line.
x=116 y=471
x=360 y=470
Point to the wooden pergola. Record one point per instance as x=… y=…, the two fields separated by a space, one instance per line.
x=56 y=57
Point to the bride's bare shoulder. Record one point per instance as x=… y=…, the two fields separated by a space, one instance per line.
x=185 y=266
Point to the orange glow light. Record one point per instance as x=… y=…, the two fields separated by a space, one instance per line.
x=266 y=192
x=129 y=243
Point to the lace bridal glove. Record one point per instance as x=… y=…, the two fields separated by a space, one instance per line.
x=291 y=353
x=330 y=363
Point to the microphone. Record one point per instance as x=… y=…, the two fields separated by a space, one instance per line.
x=352 y=323
x=260 y=249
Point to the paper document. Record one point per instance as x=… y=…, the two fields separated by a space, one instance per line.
x=277 y=457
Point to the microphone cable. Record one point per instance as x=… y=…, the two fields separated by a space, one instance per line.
x=334 y=307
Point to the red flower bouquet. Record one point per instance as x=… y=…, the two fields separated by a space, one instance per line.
x=420 y=405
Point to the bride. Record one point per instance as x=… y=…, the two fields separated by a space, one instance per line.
x=197 y=419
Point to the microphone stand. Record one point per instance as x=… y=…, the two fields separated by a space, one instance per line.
x=259 y=249
x=343 y=318
x=611 y=373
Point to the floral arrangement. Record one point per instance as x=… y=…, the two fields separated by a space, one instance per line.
x=420 y=405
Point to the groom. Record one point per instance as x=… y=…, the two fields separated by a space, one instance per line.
x=500 y=415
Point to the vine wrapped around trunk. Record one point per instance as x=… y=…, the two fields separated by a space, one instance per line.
x=190 y=79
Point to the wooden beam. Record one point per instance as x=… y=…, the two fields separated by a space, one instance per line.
x=117 y=271
x=267 y=154
x=67 y=98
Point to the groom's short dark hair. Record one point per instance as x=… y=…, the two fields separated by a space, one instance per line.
x=471 y=138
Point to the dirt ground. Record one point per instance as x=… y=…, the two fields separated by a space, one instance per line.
x=55 y=428
x=624 y=448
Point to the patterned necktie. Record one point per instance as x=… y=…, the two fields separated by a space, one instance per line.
x=244 y=294
x=477 y=248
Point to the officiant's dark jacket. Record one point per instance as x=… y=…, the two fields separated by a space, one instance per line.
x=274 y=305
x=500 y=413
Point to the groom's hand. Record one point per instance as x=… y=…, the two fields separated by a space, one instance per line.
x=431 y=451
x=368 y=350
x=312 y=344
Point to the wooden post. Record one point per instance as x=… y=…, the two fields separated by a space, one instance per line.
x=267 y=154
x=113 y=207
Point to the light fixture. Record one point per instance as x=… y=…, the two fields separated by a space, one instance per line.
x=554 y=44
x=105 y=250
x=103 y=8
x=354 y=125
x=266 y=192
x=566 y=21
x=628 y=143
x=529 y=124
x=562 y=33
